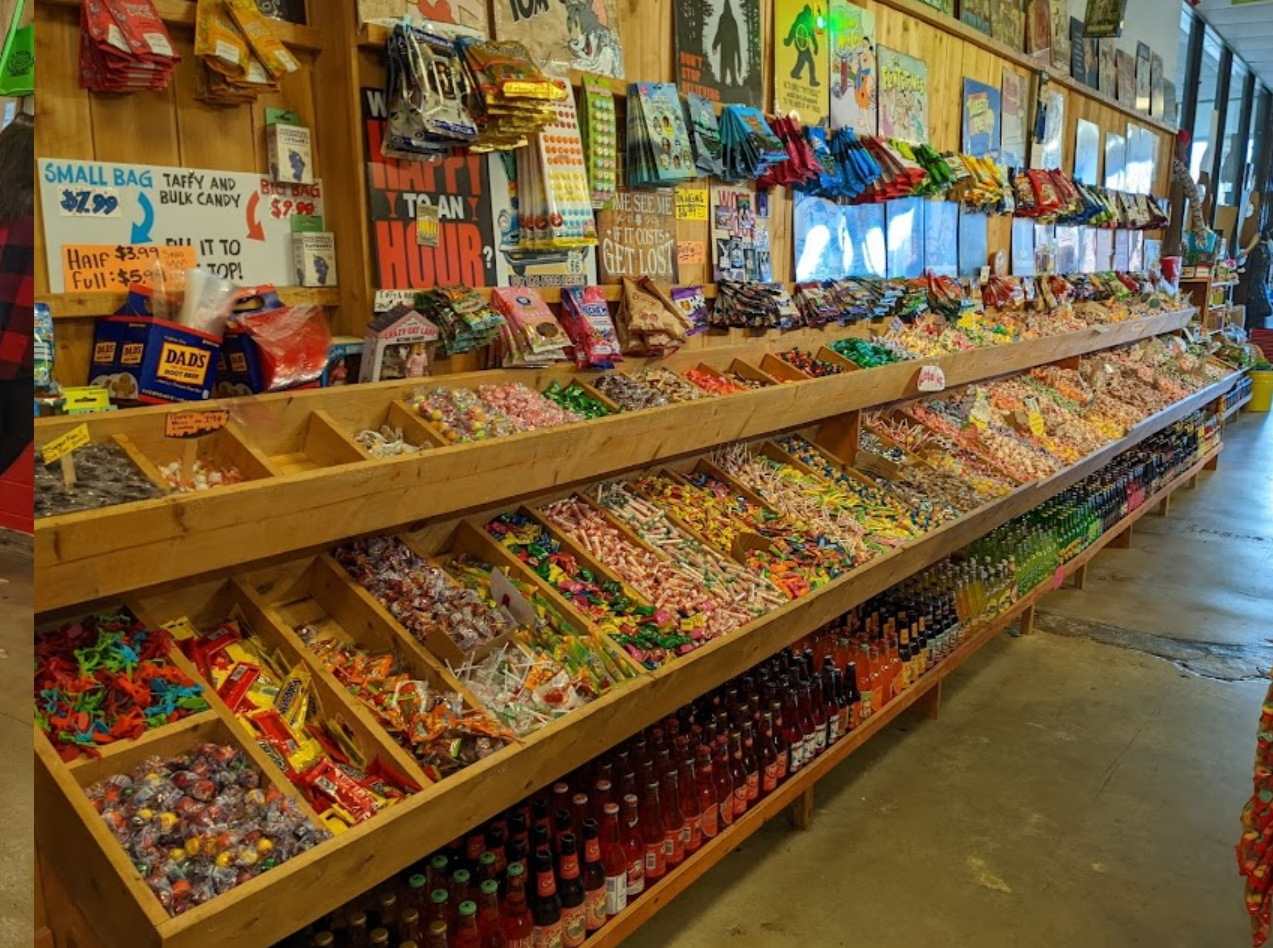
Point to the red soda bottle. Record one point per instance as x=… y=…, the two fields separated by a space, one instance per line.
x=615 y=862
x=633 y=846
x=654 y=833
x=673 y=819
x=705 y=787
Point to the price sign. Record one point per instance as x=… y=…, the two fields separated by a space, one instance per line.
x=281 y=207
x=63 y=445
x=88 y=202
x=195 y=424
x=932 y=379
x=94 y=268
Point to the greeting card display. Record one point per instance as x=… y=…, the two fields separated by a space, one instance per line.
x=718 y=50
x=854 y=75
x=659 y=151
x=903 y=96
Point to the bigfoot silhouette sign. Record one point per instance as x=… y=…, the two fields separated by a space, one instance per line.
x=718 y=50
x=802 y=59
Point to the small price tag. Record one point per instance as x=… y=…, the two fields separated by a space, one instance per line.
x=195 y=424
x=63 y=445
x=510 y=601
x=307 y=223
x=427 y=224
x=931 y=379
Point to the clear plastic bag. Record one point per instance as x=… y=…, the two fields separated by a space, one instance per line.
x=292 y=343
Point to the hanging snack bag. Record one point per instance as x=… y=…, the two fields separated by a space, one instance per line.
x=585 y=315
x=269 y=49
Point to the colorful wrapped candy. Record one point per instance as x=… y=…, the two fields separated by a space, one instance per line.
x=197 y=825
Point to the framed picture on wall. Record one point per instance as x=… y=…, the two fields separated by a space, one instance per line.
x=1142 y=78
x=1007 y=22
x=1107 y=72
x=1060 y=10
x=1155 y=85
x=973 y=249
x=1038 y=28
x=1087 y=152
x=1104 y=18
x=1125 y=67
x=976 y=13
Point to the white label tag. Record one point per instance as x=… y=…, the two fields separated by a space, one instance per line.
x=227 y=52
x=115 y=36
x=158 y=44
x=510 y=600
x=931 y=379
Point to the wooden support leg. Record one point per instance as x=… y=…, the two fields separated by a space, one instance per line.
x=1027 y=620
x=1213 y=464
x=1164 y=507
x=1080 y=578
x=930 y=703
x=1193 y=482
x=1123 y=541
x=802 y=811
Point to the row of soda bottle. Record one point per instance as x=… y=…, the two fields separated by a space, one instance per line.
x=561 y=864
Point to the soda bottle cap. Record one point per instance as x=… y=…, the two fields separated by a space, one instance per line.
x=612 y=809
x=418 y=881
x=487 y=858
x=461 y=876
x=468 y=908
x=489 y=887
x=437 y=897
x=516 y=869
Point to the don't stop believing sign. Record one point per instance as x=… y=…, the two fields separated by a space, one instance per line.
x=458 y=187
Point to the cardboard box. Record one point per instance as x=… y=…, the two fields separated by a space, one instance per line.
x=151 y=360
x=291 y=154
x=397 y=346
x=314 y=259
x=344 y=362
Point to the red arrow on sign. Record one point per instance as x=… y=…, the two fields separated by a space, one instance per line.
x=255 y=230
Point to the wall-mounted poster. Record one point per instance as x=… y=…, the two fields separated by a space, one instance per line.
x=801 y=60
x=820 y=239
x=468 y=15
x=977 y=14
x=1038 y=28
x=637 y=237
x=941 y=238
x=718 y=50
x=980 y=120
x=903 y=96
x=1060 y=35
x=973 y=249
x=1115 y=162
x=854 y=76
x=515 y=266
x=459 y=187
x=945 y=6
x=1022 y=246
x=1078 y=50
x=867 y=250
x=1087 y=250
x=1104 y=18
x=1107 y=75
x=1007 y=22
x=1168 y=101
x=1087 y=152
x=1125 y=67
x=570 y=34
x=740 y=248
x=1104 y=250
x=1143 y=79
x=1093 y=54
x=1012 y=121
x=1067 y=249
x=1122 y=250
x=1155 y=85
x=905 y=224
x=1046 y=153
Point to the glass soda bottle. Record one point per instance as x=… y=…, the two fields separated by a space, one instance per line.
x=574 y=911
x=724 y=781
x=768 y=755
x=614 y=860
x=594 y=877
x=792 y=734
x=633 y=846
x=488 y=913
x=654 y=834
x=515 y=919
x=466 y=934
x=545 y=907
x=751 y=763
x=705 y=787
x=687 y=791
x=673 y=819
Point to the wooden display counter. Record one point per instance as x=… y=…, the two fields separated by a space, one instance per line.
x=324 y=487
x=282 y=597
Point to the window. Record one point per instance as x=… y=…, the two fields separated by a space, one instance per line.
x=1204 y=131
x=1233 y=152
x=1177 y=93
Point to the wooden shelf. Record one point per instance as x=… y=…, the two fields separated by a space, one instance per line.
x=107 y=552
x=280 y=902
x=181 y=14
x=92 y=305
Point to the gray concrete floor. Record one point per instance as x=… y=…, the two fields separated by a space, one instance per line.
x=17 y=858
x=1081 y=787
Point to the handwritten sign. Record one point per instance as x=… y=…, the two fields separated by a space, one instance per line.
x=88 y=202
x=931 y=379
x=691 y=253
x=101 y=268
x=194 y=424
x=691 y=204
x=63 y=445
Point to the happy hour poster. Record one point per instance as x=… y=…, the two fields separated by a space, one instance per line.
x=574 y=34
x=854 y=75
x=980 y=120
x=903 y=96
x=801 y=60
x=718 y=50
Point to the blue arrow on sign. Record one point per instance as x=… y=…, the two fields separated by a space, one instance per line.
x=141 y=232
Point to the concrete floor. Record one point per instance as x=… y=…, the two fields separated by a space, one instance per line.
x=1081 y=787
x=17 y=857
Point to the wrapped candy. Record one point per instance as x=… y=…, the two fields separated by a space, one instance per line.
x=197 y=825
x=460 y=415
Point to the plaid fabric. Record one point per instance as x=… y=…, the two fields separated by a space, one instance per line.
x=17 y=298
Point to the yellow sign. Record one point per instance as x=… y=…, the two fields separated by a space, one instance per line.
x=102 y=268
x=79 y=400
x=691 y=204
x=1036 y=424
x=63 y=445
x=691 y=252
